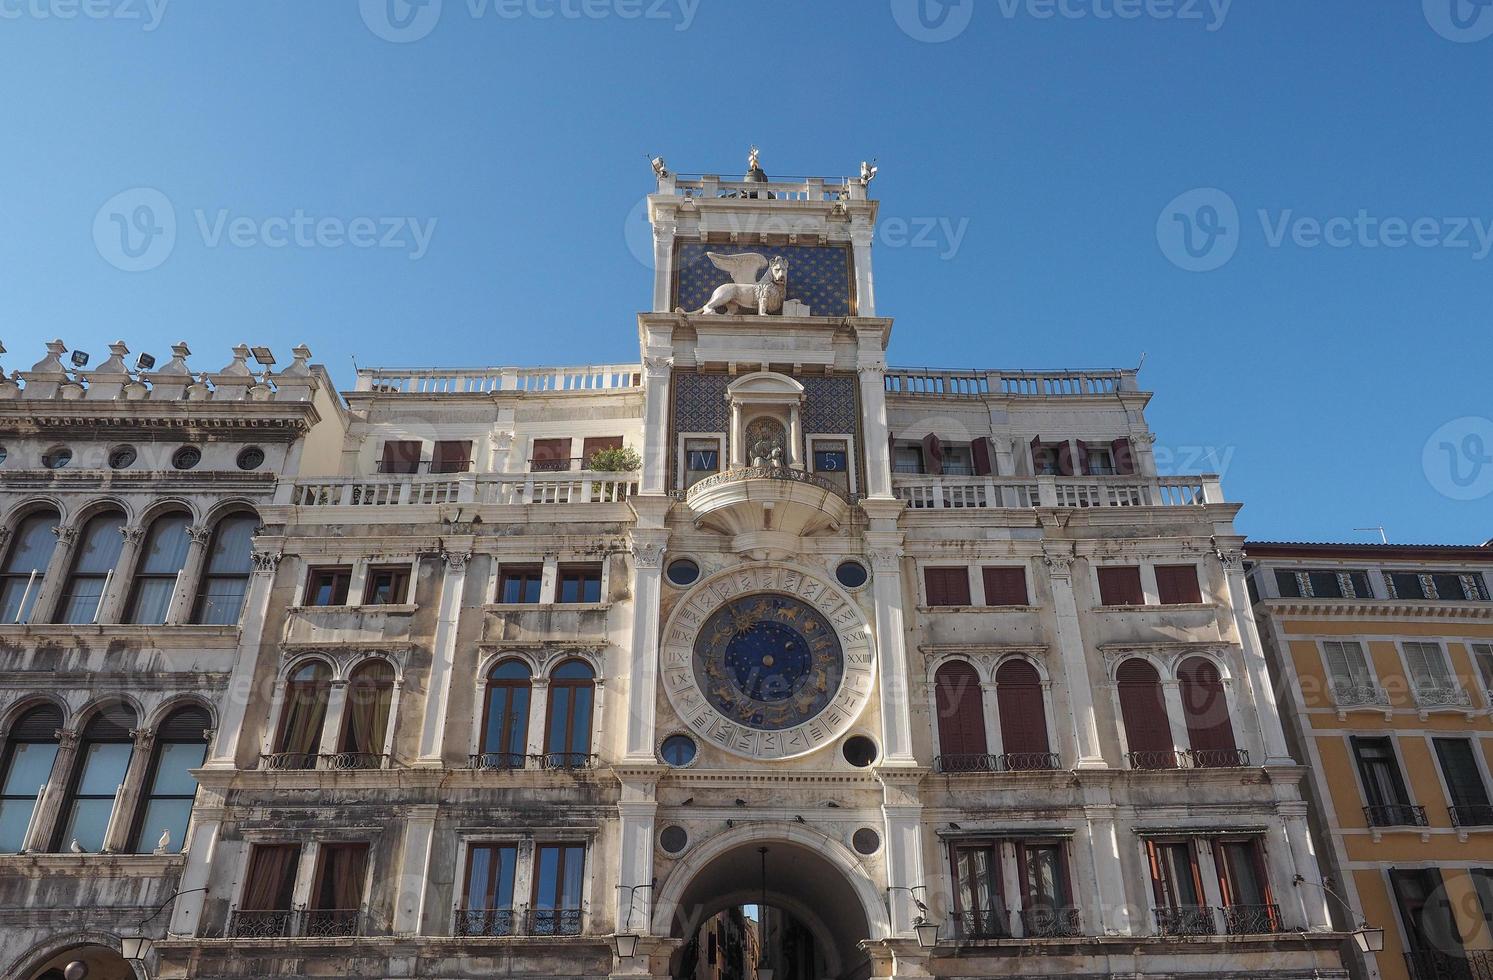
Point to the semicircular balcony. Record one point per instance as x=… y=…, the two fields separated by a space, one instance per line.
x=766 y=509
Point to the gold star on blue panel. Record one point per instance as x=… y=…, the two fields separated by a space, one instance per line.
x=818 y=275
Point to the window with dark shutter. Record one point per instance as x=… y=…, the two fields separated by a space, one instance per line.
x=979 y=452
x=961 y=716
x=1124 y=460
x=1380 y=772
x=1325 y=585
x=451 y=456
x=933 y=454
x=1449 y=587
x=1005 y=586
x=1430 y=925
x=1209 y=731
x=1464 y=780
x=947 y=586
x=1287 y=584
x=1177 y=584
x=401 y=456
x=1406 y=585
x=1018 y=694
x=1143 y=711
x=1119 y=585
x=550 y=455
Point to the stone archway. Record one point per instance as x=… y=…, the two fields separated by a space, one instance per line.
x=99 y=955
x=810 y=877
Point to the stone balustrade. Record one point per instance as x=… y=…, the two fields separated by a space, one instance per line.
x=113 y=379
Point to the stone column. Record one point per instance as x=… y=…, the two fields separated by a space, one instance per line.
x=990 y=707
x=241 y=689
x=663 y=263
x=1075 y=662
x=658 y=364
x=1171 y=694
x=201 y=849
x=49 y=805
x=1303 y=861
x=117 y=838
x=443 y=652
x=638 y=810
x=648 y=547
x=891 y=643
x=331 y=729
x=539 y=700
x=861 y=235
x=111 y=606
x=903 y=812
x=414 y=870
x=1111 y=908
x=184 y=594
x=795 y=438
x=736 y=443
x=49 y=589
x=1256 y=673
x=874 y=427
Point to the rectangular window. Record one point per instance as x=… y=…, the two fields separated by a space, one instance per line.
x=1048 y=458
x=269 y=882
x=1380 y=772
x=1482 y=882
x=401 y=456
x=1429 y=672
x=702 y=457
x=1119 y=585
x=580 y=583
x=487 y=906
x=1178 y=890
x=1347 y=670
x=101 y=770
x=979 y=909
x=558 y=878
x=1044 y=876
x=167 y=805
x=907 y=457
x=592 y=445
x=550 y=455
x=1005 y=586
x=1243 y=884
x=1449 y=587
x=1324 y=585
x=1482 y=655
x=1287 y=584
x=947 y=586
x=1406 y=585
x=519 y=583
x=337 y=890
x=957 y=460
x=1178 y=585
x=327 y=586
x=387 y=585
x=27 y=771
x=451 y=456
x=1431 y=927
x=1099 y=460
x=1464 y=781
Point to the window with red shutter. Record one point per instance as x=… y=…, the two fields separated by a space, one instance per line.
x=401 y=456
x=1177 y=584
x=979 y=452
x=451 y=456
x=1018 y=693
x=1143 y=711
x=1005 y=586
x=932 y=454
x=961 y=717
x=550 y=455
x=1119 y=585
x=1124 y=460
x=947 y=586
x=1209 y=731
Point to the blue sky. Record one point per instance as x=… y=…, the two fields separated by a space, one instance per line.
x=1040 y=160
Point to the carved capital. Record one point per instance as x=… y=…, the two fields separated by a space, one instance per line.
x=208 y=734
x=65 y=533
x=648 y=551
x=266 y=562
x=143 y=737
x=658 y=367
x=456 y=560
x=1059 y=564
x=132 y=533
x=1232 y=560
x=66 y=738
x=199 y=535
x=886 y=560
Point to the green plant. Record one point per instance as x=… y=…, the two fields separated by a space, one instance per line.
x=616 y=460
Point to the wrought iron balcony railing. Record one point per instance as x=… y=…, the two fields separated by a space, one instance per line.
x=497 y=923
x=1460 y=965
x=1051 y=923
x=1188 y=759
x=332 y=762
x=295 y=923
x=1471 y=815
x=1007 y=762
x=487 y=922
x=1346 y=695
x=1395 y=815
x=1186 y=920
x=1442 y=696
x=508 y=761
x=1250 y=920
x=982 y=924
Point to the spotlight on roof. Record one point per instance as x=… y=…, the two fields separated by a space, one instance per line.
x=263 y=355
x=144 y=362
x=80 y=358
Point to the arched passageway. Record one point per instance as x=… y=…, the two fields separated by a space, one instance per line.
x=98 y=963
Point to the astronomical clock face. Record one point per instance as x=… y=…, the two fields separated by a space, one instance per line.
x=767 y=661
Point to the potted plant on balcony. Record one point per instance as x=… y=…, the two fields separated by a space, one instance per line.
x=618 y=459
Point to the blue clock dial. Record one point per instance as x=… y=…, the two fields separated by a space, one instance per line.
x=768 y=661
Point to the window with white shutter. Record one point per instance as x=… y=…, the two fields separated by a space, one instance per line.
x=1429 y=673
x=1482 y=655
x=1348 y=671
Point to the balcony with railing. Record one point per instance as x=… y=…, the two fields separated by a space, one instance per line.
x=1186 y=920
x=981 y=924
x=945 y=492
x=1188 y=759
x=1349 y=695
x=1471 y=814
x=477 y=381
x=322 y=761
x=1051 y=923
x=297 y=923
x=398 y=490
x=940 y=383
x=501 y=923
x=1458 y=965
x=767 y=506
x=545 y=761
x=1395 y=815
x=970 y=762
x=1449 y=695
x=1250 y=920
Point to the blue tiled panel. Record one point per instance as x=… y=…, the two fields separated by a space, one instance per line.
x=818 y=275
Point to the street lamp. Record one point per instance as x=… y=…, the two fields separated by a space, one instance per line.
x=927 y=932
x=1370 y=939
x=136 y=948
x=626 y=941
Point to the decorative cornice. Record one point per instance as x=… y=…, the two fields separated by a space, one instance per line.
x=1378 y=608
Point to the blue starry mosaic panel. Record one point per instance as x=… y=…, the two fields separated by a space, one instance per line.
x=818 y=275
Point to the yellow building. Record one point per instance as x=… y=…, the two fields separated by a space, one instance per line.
x=1382 y=657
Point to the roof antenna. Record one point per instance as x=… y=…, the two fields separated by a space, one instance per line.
x=1383 y=538
x=1142 y=363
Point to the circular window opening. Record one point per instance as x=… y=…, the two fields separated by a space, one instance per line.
x=859 y=751
x=251 y=458
x=866 y=841
x=122 y=457
x=852 y=574
x=678 y=750
x=186 y=458
x=674 y=839
x=57 y=457
x=683 y=571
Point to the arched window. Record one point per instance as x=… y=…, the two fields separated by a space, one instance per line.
x=1143 y=709
x=1210 y=734
x=29 y=754
x=93 y=566
x=103 y=761
x=161 y=562
x=1018 y=695
x=505 y=717
x=365 y=722
x=302 y=717
x=225 y=575
x=567 y=743
x=961 y=719
x=166 y=806
x=26 y=566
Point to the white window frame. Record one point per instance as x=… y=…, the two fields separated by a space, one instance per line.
x=850 y=456
x=684 y=438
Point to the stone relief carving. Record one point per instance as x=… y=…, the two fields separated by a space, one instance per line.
x=746 y=290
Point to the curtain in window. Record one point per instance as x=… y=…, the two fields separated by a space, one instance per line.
x=161 y=561
x=93 y=563
x=369 y=697
x=305 y=711
x=270 y=881
x=26 y=565
x=343 y=870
